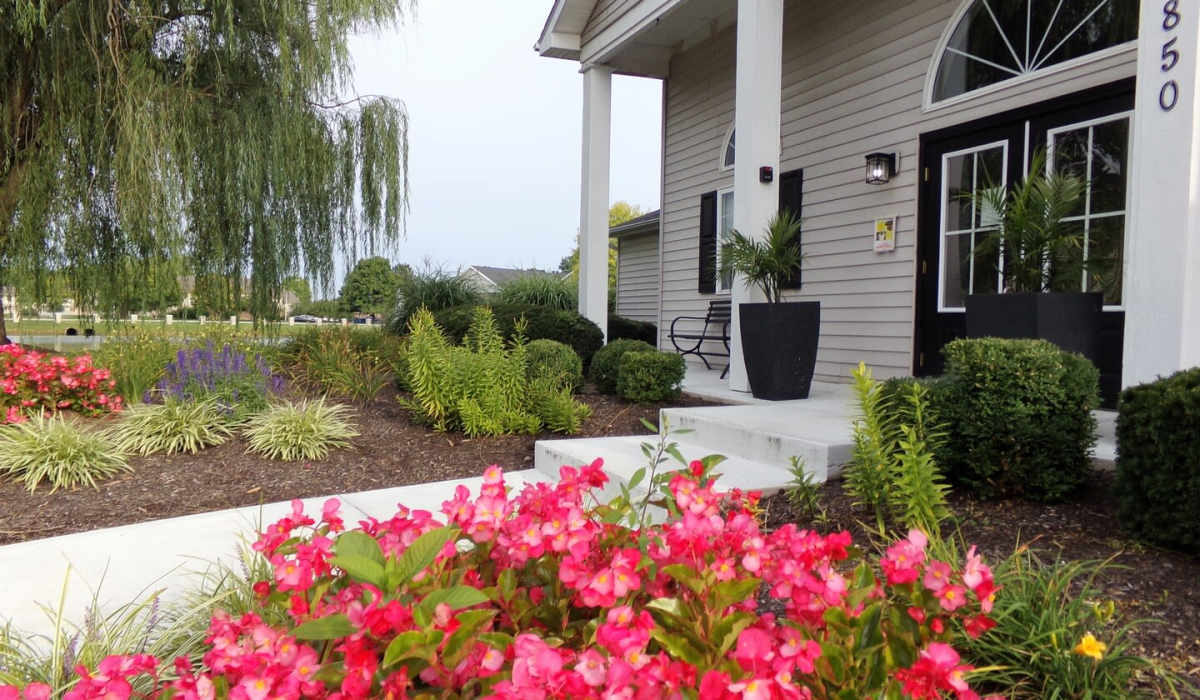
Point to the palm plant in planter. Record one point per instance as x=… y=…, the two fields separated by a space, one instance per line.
x=779 y=340
x=1042 y=256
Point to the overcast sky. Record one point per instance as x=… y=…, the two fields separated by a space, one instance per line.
x=495 y=133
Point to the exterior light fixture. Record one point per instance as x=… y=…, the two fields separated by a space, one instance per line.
x=880 y=168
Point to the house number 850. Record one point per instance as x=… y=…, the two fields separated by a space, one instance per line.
x=1168 y=94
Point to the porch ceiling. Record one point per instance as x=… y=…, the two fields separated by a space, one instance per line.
x=640 y=43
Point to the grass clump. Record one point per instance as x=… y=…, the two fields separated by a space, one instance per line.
x=343 y=361
x=173 y=427
x=58 y=452
x=302 y=430
x=540 y=290
x=433 y=289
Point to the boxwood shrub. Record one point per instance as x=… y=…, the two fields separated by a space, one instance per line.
x=646 y=376
x=1158 y=460
x=550 y=359
x=607 y=362
x=569 y=327
x=621 y=327
x=1018 y=417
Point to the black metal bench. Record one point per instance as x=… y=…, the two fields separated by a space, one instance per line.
x=715 y=329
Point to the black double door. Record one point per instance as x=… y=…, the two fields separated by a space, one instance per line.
x=1087 y=134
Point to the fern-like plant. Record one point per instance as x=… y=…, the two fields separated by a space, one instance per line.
x=480 y=387
x=173 y=427
x=868 y=474
x=893 y=470
x=303 y=430
x=59 y=452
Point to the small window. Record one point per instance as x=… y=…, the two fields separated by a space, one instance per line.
x=724 y=226
x=998 y=40
x=728 y=151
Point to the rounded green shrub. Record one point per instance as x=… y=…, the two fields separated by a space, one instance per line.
x=542 y=322
x=607 y=362
x=172 y=427
x=650 y=375
x=621 y=327
x=1158 y=460
x=302 y=430
x=554 y=361
x=1018 y=417
x=59 y=452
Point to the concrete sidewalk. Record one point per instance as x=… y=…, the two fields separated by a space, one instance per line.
x=120 y=565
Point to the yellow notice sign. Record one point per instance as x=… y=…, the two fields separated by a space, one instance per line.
x=885 y=235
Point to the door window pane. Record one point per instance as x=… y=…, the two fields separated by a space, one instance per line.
x=1097 y=152
x=724 y=226
x=969 y=266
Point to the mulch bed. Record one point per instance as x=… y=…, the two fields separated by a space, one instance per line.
x=1145 y=582
x=392 y=451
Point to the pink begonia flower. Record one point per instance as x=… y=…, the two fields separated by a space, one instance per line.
x=937 y=575
x=975 y=572
x=592 y=667
x=951 y=597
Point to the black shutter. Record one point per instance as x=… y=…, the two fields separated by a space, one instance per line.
x=791 y=198
x=707 y=266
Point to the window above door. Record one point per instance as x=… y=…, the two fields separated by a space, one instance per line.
x=994 y=42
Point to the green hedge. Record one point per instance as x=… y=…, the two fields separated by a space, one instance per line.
x=650 y=375
x=569 y=327
x=607 y=362
x=551 y=359
x=1018 y=417
x=1158 y=460
x=620 y=327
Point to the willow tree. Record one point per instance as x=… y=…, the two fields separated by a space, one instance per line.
x=135 y=132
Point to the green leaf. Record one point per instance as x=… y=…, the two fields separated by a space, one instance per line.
x=507 y=584
x=422 y=552
x=677 y=646
x=420 y=644
x=668 y=605
x=728 y=593
x=729 y=629
x=360 y=569
x=649 y=426
x=332 y=627
x=636 y=478
x=673 y=450
x=686 y=575
x=358 y=544
x=870 y=633
x=457 y=597
x=470 y=623
x=496 y=640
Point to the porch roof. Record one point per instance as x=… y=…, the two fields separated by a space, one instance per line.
x=641 y=42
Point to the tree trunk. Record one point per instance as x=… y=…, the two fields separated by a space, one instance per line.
x=3 y=324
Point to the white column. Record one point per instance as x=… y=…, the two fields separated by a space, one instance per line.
x=1162 y=255
x=756 y=121
x=593 y=198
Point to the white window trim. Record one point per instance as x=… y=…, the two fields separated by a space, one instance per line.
x=945 y=190
x=721 y=166
x=929 y=105
x=720 y=287
x=1050 y=136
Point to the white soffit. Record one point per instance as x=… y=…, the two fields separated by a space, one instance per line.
x=560 y=35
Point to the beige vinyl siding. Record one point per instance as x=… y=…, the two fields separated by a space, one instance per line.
x=637 y=277
x=852 y=84
x=605 y=13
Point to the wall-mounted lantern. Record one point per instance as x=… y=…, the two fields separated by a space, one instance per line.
x=881 y=167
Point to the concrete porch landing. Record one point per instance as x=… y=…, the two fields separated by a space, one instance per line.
x=758 y=438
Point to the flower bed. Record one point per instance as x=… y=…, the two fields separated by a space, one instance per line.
x=34 y=382
x=542 y=595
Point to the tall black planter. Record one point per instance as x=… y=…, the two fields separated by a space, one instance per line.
x=1070 y=320
x=779 y=345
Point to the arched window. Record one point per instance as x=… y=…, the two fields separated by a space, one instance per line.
x=992 y=41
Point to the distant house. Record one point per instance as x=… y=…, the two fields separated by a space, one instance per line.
x=637 y=267
x=489 y=280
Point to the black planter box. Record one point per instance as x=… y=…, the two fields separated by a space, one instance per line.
x=779 y=345
x=1070 y=320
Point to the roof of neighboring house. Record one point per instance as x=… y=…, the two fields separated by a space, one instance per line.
x=646 y=223
x=500 y=276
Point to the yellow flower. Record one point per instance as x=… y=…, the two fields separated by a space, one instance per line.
x=1090 y=646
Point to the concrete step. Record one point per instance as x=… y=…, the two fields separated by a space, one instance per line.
x=817 y=431
x=623 y=456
